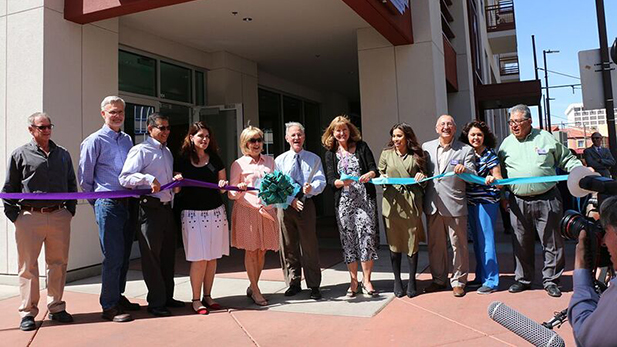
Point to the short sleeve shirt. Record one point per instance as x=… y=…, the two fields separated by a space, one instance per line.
x=197 y=198
x=481 y=194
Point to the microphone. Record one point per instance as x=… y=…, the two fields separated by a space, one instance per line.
x=524 y=327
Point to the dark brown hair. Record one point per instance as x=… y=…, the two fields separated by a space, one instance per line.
x=188 y=149
x=412 y=144
x=489 y=139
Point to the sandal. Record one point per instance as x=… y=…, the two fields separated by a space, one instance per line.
x=215 y=306
x=351 y=293
x=199 y=309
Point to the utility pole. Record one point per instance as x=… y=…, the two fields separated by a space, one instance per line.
x=606 y=77
x=535 y=70
x=548 y=98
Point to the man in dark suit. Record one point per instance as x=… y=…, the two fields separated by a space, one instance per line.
x=598 y=157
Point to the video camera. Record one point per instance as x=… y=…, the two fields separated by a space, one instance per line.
x=581 y=182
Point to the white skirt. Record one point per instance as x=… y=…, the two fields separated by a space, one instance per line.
x=205 y=234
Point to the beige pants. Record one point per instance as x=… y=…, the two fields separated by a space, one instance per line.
x=32 y=229
x=439 y=228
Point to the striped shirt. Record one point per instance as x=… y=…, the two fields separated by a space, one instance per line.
x=481 y=194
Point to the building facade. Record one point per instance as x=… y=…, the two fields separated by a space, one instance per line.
x=234 y=62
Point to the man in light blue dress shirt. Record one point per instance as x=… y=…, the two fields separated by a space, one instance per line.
x=101 y=158
x=299 y=247
x=150 y=165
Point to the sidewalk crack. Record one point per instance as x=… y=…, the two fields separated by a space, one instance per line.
x=242 y=327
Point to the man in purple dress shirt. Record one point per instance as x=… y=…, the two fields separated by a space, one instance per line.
x=100 y=162
x=593 y=316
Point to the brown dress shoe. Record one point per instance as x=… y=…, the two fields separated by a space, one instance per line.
x=116 y=314
x=458 y=291
x=434 y=287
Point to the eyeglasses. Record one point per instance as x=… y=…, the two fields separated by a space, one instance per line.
x=256 y=140
x=43 y=127
x=512 y=122
x=163 y=127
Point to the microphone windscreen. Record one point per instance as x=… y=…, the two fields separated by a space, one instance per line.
x=524 y=327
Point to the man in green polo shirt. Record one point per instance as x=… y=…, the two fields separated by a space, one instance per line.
x=536 y=207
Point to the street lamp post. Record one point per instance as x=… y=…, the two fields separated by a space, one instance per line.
x=548 y=98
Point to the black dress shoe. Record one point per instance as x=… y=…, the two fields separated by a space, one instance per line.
x=174 y=303
x=159 y=311
x=27 y=323
x=553 y=291
x=62 y=317
x=315 y=294
x=519 y=287
x=116 y=314
x=126 y=305
x=293 y=290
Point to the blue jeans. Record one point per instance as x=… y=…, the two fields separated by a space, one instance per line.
x=482 y=226
x=116 y=233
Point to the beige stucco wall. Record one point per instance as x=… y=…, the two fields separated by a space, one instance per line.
x=52 y=65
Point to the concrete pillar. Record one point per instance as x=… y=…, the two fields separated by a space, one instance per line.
x=232 y=80
x=402 y=83
x=65 y=69
x=461 y=104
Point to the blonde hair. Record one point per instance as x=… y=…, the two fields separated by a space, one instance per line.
x=248 y=134
x=328 y=140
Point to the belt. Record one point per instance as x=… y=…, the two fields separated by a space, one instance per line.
x=46 y=209
x=544 y=196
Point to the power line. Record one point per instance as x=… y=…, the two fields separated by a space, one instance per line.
x=560 y=73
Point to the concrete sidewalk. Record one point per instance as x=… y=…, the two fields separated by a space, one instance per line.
x=436 y=319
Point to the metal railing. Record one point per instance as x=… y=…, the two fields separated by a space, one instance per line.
x=500 y=16
x=508 y=66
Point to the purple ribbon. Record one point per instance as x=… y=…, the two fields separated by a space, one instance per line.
x=115 y=194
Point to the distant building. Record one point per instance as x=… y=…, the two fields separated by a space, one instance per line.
x=580 y=117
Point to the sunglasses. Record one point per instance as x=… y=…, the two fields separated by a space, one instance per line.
x=43 y=127
x=256 y=140
x=163 y=127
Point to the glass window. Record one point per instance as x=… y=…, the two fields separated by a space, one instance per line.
x=292 y=110
x=176 y=82
x=200 y=90
x=270 y=122
x=580 y=143
x=136 y=73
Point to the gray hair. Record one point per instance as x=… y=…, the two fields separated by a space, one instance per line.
x=293 y=124
x=112 y=99
x=35 y=115
x=608 y=212
x=524 y=109
x=156 y=116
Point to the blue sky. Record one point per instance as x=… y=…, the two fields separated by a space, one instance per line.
x=568 y=26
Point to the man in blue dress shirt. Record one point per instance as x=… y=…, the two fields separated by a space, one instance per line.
x=101 y=159
x=299 y=247
x=150 y=165
x=593 y=316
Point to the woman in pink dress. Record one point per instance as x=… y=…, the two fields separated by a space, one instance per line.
x=254 y=227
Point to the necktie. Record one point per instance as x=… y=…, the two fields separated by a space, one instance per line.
x=296 y=171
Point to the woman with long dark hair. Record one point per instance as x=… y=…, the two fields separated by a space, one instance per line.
x=483 y=204
x=402 y=204
x=205 y=231
x=355 y=202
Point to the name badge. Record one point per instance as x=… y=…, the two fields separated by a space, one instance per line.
x=541 y=151
x=454 y=162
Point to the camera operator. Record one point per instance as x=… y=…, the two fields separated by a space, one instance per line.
x=593 y=316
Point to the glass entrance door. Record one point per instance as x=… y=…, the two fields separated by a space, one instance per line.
x=227 y=124
x=136 y=114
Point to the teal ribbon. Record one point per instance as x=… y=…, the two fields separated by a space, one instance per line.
x=464 y=176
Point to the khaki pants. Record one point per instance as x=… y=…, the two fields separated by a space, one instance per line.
x=32 y=229
x=439 y=228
